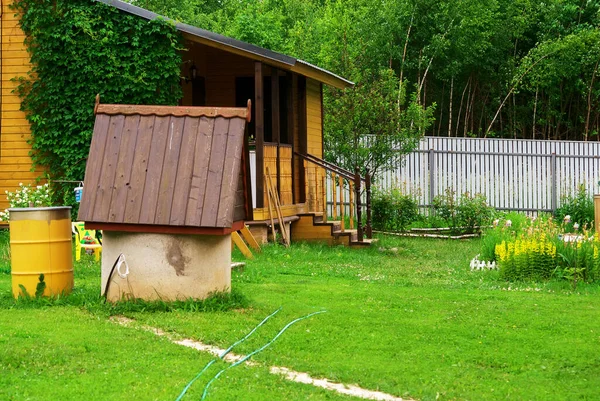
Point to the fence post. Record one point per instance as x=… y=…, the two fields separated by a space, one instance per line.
x=431 y=176
x=368 y=189
x=554 y=199
x=359 y=230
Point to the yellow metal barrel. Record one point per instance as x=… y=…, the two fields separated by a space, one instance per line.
x=40 y=243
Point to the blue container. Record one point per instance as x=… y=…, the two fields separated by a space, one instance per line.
x=78 y=193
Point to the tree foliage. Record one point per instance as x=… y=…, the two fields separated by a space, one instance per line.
x=474 y=59
x=501 y=68
x=80 y=48
x=372 y=125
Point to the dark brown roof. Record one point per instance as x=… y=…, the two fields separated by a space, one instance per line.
x=251 y=51
x=164 y=165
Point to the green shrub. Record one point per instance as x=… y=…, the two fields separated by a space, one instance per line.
x=80 y=48
x=506 y=227
x=473 y=212
x=469 y=213
x=543 y=251
x=580 y=208
x=444 y=207
x=491 y=237
x=393 y=210
x=578 y=258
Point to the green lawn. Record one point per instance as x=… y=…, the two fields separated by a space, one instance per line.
x=409 y=319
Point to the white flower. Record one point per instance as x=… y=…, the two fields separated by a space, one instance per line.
x=567 y=218
x=508 y=223
x=576 y=226
x=496 y=222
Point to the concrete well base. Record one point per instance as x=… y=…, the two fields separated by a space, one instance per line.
x=165 y=266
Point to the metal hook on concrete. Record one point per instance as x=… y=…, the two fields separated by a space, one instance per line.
x=121 y=261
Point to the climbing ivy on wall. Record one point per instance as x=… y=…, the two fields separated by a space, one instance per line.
x=80 y=48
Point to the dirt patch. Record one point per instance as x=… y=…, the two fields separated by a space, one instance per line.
x=175 y=257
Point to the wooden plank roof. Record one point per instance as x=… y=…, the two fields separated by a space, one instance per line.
x=164 y=165
x=235 y=46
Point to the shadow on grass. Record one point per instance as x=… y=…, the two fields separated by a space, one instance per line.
x=83 y=298
x=86 y=295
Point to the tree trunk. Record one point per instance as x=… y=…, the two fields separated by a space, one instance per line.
x=467 y=110
x=534 y=112
x=441 y=109
x=482 y=115
x=561 y=108
x=589 y=103
x=472 y=111
x=462 y=98
x=424 y=91
x=512 y=89
x=514 y=116
x=450 y=107
x=404 y=58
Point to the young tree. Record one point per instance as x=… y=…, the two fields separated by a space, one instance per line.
x=367 y=128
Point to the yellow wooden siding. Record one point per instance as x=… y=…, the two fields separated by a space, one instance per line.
x=314 y=142
x=261 y=214
x=219 y=69
x=15 y=163
x=304 y=230
x=314 y=126
x=285 y=175
x=270 y=161
x=285 y=171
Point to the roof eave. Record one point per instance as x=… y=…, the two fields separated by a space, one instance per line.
x=235 y=46
x=327 y=77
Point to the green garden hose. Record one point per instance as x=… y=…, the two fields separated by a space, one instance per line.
x=185 y=389
x=204 y=394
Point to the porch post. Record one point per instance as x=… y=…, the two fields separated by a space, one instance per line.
x=259 y=123
x=302 y=134
x=275 y=122
x=290 y=127
x=359 y=227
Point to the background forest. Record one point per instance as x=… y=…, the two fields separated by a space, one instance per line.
x=493 y=68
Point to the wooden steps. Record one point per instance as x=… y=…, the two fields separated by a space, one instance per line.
x=311 y=227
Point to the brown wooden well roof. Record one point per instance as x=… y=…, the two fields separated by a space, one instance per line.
x=165 y=165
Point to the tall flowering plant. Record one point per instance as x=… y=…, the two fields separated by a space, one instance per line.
x=543 y=250
x=526 y=258
x=28 y=196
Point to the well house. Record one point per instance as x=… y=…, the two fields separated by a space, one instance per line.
x=285 y=129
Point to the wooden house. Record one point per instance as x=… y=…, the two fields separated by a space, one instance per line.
x=286 y=127
x=15 y=163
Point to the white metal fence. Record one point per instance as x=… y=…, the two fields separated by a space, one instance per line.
x=525 y=175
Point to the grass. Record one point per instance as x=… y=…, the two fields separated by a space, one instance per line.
x=406 y=317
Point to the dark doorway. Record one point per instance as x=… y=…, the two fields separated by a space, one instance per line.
x=198 y=91
x=244 y=90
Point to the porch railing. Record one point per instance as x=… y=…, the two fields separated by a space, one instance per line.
x=339 y=179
